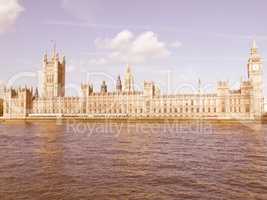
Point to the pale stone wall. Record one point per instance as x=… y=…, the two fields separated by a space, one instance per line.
x=225 y=104
x=2 y=94
x=187 y=106
x=17 y=103
x=59 y=105
x=1 y=107
x=53 y=77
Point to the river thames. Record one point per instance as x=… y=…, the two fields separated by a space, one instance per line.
x=82 y=160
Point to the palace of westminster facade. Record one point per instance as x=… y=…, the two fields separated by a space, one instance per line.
x=245 y=103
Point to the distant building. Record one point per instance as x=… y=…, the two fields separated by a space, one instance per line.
x=245 y=103
x=2 y=94
x=2 y=90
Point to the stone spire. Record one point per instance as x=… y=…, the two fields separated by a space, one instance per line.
x=54 y=53
x=128 y=69
x=104 y=88
x=199 y=86
x=254 y=49
x=254 y=46
x=119 y=85
x=45 y=57
x=128 y=85
x=36 y=94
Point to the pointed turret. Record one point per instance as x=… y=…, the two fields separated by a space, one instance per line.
x=128 y=85
x=36 y=94
x=45 y=57
x=104 y=88
x=199 y=85
x=128 y=68
x=254 y=46
x=54 y=50
x=254 y=49
x=119 y=85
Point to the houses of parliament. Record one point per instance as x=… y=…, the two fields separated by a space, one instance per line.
x=246 y=103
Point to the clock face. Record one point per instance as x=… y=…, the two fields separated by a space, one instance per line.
x=255 y=67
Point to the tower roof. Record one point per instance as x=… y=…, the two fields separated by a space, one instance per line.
x=254 y=49
x=54 y=50
x=254 y=45
x=128 y=68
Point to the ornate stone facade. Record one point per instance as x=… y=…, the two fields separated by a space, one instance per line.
x=17 y=102
x=245 y=103
x=53 y=76
x=2 y=93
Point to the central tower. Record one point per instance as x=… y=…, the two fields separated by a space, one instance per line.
x=128 y=85
x=53 y=83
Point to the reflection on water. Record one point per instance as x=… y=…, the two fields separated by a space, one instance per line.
x=50 y=160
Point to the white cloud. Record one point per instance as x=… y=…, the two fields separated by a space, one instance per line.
x=9 y=11
x=126 y=47
x=121 y=41
x=147 y=44
x=176 y=44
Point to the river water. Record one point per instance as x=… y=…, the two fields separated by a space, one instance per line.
x=82 y=160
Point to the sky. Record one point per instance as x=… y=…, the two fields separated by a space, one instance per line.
x=171 y=42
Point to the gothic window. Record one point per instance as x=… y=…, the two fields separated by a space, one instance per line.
x=247 y=109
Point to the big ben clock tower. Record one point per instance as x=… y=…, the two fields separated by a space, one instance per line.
x=255 y=74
